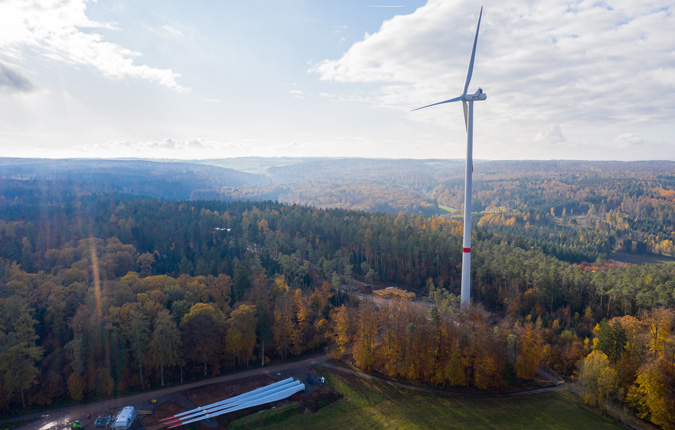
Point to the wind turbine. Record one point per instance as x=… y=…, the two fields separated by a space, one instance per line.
x=467 y=103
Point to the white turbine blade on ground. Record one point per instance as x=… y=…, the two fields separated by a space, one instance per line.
x=466 y=117
x=280 y=395
x=210 y=411
x=456 y=99
x=206 y=408
x=473 y=55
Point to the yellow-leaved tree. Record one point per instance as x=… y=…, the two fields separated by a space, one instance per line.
x=653 y=394
x=598 y=379
x=530 y=351
x=340 y=319
x=241 y=337
x=366 y=336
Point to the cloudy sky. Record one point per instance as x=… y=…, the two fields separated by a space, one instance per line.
x=203 y=79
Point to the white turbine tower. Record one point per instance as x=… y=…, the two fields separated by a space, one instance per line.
x=467 y=103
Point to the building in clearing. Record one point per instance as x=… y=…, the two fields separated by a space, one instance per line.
x=394 y=293
x=125 y=418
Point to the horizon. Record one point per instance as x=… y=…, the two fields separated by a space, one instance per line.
x=346 y=157
x=166 y=80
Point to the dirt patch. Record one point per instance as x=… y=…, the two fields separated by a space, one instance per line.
x=316 y=394
x=164 y=410
x=320 y=398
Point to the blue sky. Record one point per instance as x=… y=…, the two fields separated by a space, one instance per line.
x=203 y=79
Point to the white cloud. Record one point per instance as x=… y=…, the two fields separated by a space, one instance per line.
x=629 y=139
x=62 y=31
x=297 y=94
x=345 y=97
x=543 y=64
x=178 y=148
x=171 y=31
x=222 y=147
x=550 y=134
x=150 y=145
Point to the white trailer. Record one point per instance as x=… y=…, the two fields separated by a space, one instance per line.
x=125 y=418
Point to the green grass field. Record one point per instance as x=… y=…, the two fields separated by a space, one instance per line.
x=375 y=405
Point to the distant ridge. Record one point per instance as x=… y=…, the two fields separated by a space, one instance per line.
x=166 y=179
x=413 y=186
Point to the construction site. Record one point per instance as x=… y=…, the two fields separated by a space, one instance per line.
x=269 y=394
x=394 y=293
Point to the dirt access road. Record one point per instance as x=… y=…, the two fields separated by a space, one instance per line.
x=59 y=419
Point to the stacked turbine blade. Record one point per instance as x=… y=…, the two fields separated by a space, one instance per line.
x=267 y=394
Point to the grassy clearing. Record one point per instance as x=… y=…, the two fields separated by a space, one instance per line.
x=255 y=165
x=628 y=257
x=447 y=209
x=374 y=405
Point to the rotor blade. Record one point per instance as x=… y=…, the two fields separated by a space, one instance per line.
x=473 y=55
x=466 y=118
x=456 y=99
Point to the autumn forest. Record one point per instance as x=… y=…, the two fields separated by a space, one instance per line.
x=109 y=284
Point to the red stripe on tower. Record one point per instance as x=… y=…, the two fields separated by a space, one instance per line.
x=466 y=249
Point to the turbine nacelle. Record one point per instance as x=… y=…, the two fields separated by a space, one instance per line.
x=477 y=96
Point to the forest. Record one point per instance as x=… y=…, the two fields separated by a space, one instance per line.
x=103 y=292
x=580 y=211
